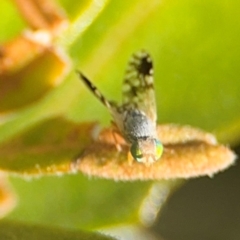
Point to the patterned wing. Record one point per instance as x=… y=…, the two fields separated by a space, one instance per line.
x=112 y=106
x=96 y=92
x=138 y=88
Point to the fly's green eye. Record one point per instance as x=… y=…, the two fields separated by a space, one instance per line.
x=136 y=152
x=159 y=149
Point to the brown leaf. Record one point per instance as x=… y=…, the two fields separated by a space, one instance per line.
x=53 y=147
x=7 y=197
x=42 y=14
x=49 y=147
x=188 y=152
x=28 y=69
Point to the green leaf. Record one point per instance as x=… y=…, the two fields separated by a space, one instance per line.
x=11 y=23
x=76 y=201
x=23 y=231
x=193 y=68
x=194 y=45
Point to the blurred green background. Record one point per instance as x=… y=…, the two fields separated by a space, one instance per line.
x=195 y=46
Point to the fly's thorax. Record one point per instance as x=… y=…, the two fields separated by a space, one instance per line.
x=137 y=125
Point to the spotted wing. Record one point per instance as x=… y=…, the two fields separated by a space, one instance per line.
x=138 y=88
x=110 y=105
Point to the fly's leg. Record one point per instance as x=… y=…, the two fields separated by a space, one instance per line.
x=117 y=137
x=130 y=158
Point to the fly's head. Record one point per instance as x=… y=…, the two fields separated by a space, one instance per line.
x=146 y=150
